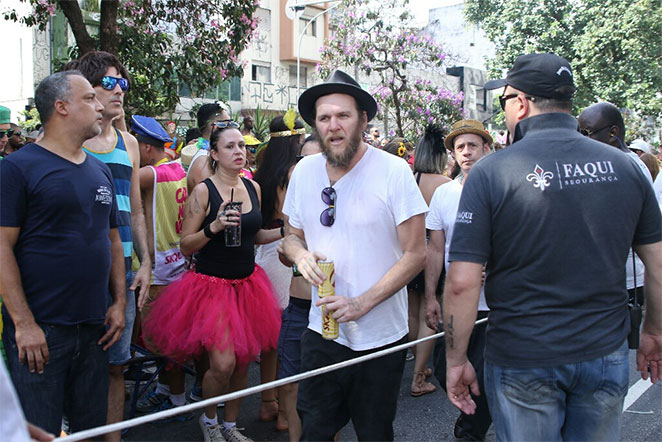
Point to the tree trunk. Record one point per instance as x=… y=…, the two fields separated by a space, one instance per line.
x=108 y=26
x=74 y=16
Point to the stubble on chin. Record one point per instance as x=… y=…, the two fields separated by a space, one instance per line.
x=93 y=131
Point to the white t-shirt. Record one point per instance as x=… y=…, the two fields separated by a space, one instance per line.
x=639 y=265
x=443 y=211
x=657 y=187
x=198 y=154
x=373 y=198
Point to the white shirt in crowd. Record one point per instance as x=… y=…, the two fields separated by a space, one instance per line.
x=443 y=211
x=373 y=198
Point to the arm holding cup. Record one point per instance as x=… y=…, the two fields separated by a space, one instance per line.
x=194 y=235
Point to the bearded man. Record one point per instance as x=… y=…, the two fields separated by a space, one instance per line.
x=360 y=208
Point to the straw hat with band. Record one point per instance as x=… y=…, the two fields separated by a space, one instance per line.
x=337 y=83
x=467 y=127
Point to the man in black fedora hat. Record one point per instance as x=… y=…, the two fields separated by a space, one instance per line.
x=553 y=217
x=360 y=208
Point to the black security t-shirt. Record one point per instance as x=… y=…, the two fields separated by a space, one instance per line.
x=65 y=212
x=554 y=216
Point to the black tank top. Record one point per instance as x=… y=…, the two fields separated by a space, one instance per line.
x=230 y=262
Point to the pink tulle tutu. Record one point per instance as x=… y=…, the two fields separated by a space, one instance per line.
x=200 y=312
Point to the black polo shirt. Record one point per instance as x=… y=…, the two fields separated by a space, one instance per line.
x=554 y=216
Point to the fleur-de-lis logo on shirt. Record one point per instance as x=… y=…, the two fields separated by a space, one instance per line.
x=539 y=177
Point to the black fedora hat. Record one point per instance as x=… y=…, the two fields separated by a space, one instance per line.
x=337 y=83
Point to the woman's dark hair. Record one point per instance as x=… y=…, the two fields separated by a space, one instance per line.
x=213 y=141
x=431 y=156
x=312 y=137
x=279 y=156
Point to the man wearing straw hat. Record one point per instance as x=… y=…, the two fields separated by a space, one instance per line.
x=359 y=207
x=468 y=142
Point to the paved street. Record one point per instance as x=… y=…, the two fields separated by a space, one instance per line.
x=426 y=418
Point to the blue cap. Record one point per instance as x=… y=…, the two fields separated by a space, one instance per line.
x=149 y=131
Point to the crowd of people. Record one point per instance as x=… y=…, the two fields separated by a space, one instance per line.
x=205 y=250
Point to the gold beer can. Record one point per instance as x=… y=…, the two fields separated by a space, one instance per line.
x=328 y=288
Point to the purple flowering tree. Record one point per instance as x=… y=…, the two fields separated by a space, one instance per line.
x=401 y=62
x=163 y=44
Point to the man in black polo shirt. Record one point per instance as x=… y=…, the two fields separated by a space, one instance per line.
x=553 y=216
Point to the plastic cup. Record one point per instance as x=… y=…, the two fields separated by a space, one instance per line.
x=233 y=233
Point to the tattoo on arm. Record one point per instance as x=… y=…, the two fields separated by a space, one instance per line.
x=193 y=204
x=449 y=333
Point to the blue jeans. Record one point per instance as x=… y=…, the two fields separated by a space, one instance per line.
x=74 y=382
x=581 y=401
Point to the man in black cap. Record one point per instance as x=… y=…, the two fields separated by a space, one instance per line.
x=360 y=208
x=553 y=216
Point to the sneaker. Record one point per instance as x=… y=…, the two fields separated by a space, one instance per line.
x=233 y=435
x=211 y=433
x=151 y=402
x=167 y=405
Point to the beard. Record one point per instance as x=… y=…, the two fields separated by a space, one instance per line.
x=342 y=159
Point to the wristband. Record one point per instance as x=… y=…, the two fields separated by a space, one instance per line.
x=282 y=232
x=207 y=231
x=295 y=270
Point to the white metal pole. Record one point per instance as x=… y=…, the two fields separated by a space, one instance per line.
x=301 y=38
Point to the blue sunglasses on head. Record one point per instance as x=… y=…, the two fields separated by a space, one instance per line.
x=109 y=83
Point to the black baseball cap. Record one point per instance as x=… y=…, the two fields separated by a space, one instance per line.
x=541 y=75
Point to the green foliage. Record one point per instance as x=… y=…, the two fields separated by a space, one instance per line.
x=613 y=45
x=162 y=43
x=32 y=121
x=379 y=39
x=636 y=127
x=261 y=121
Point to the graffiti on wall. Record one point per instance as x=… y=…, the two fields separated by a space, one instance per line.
x=269 y=95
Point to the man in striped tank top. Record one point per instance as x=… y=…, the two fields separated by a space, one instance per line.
x=119 y=150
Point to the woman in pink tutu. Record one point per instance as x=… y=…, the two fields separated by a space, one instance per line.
x=225 y=306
